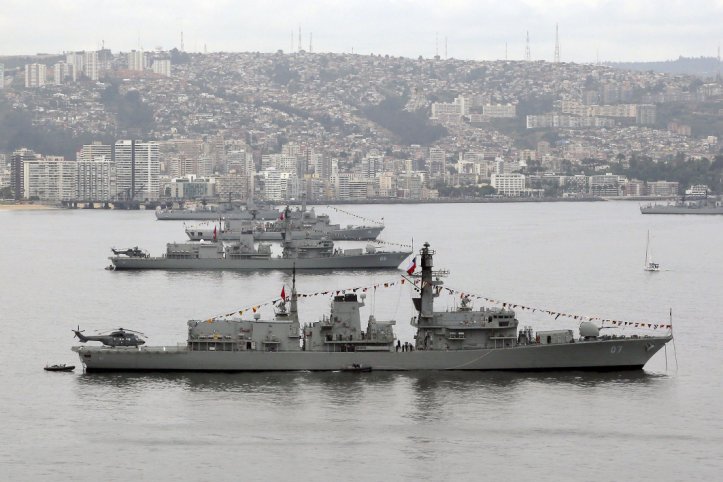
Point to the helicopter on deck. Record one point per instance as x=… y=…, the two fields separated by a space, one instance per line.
x=119 y=337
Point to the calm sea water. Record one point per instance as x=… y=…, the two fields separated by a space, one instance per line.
x=656 y=424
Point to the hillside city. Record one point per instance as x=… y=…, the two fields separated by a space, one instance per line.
x=171 y=125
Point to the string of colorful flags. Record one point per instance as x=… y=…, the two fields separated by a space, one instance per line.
x=462 y=294
x=356 y=215
x=558 y=314
x=391 y=243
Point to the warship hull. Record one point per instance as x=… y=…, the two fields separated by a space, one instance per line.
x=709 y=210
x=389 y=260
x=597 y=355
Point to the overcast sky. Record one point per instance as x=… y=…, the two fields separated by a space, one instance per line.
x=474 y=29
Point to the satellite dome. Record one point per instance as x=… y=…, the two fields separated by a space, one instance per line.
x=589 y=329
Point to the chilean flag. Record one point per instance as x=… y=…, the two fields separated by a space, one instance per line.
x=283 y=292
x=214 y=232
x=412 y=266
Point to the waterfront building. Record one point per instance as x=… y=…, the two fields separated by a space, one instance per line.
x=663 y=188
x=17 y=169
x=511 y=185
x=279 y=185
x=606 y=185
x=189 y=187
x=97 y=179
x=235 y=186
x=90 y=152
x=35 y=75
x=138 y=169
x=437 y=164
x=180 y=167
x=241 y=162
x=50 y=179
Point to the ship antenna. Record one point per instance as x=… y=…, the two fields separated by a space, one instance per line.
x=293 y=308
x=675 y=350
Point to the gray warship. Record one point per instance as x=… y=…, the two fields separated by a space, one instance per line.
x=242 y=254
x=706 y=206
x=461 y=339
x=226 y=210
x=303 y=224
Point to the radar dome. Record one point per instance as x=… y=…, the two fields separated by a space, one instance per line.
x=589 y=330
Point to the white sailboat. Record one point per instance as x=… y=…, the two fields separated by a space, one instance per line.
x=650 y=265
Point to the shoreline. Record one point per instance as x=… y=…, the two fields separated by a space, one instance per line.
x=27 y=207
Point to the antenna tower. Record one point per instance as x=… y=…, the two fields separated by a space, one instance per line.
x=436 y=45
x=181 y=40
x=310 y=44
x=528 y=57
x=557 y=45
x=445 y=47
x=300 y=48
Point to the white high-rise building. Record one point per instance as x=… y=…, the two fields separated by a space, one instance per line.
x=61 y=71
x=2 y=76
x=75 y=61
x=97 y=179
x=136 y=60
x=51 y=179
x=138 y=169
x=510 y=185
x=162 y=67
x=91 y=65
x=90 y=152
x=35 y=75
x=241 y=162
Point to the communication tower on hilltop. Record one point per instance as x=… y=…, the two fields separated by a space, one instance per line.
x=181 y=40
x=528 y=57
x=557 y=45
x=300 y=47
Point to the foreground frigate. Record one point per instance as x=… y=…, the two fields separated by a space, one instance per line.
x=462 y=339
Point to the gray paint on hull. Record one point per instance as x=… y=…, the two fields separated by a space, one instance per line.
x=362 y=261
x=589 y=355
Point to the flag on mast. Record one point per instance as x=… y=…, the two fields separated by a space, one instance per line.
x=283 y=293
x=214 y=232
x=412 y=266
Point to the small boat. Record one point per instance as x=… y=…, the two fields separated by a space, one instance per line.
x=60 y=368
x=650 y=265
x=357 y=368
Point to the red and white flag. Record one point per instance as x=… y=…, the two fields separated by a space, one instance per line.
x=283 y=292
x=214 y=232
x=412 y=266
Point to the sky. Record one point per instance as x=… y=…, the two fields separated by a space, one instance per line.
x=589 y=30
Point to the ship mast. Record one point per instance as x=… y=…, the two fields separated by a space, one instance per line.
x=293 y=310
x=428 y=288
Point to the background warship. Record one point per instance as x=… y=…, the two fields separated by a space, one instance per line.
x=462 y=339
x=691 y=206
x=303 y=224
x=228 y=210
